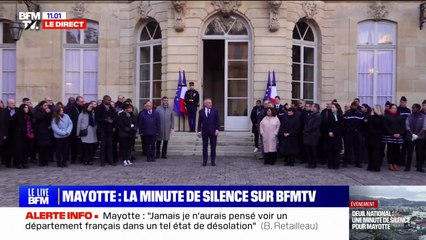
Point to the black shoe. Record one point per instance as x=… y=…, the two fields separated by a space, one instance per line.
x=102 y=164
x=213 y=164
x=358 y=165
x=406 y=169
x=164 y=157
x=420 y=170
x=157 y=156
x=204 y=164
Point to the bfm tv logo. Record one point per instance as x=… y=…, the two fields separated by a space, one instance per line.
x=38 y=196
x=31 y=20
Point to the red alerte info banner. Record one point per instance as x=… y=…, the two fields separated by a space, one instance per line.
x=64 y=24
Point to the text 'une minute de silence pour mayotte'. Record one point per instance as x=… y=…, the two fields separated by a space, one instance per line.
x=188 y=196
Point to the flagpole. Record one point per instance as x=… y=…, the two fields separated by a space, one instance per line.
x=179 y=123
x=183 y=114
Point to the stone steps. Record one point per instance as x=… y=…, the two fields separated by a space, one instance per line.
x=230 y=144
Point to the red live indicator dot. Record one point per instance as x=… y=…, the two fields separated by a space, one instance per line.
x=363 y=204
x=96 y=216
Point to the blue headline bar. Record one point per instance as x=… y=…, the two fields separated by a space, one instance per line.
x=183 y=196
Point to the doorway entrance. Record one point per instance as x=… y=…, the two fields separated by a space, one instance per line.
x=226 y=70
x=213 y=76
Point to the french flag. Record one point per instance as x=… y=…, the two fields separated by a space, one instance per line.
x=271 y=88
x=179 y=102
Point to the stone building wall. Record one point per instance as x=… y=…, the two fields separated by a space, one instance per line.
x=40 y=54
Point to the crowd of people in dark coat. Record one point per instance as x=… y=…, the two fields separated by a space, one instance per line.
x=73 y=133
x=355 y=135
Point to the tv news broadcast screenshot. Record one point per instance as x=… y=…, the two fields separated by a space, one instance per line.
x=213 y=120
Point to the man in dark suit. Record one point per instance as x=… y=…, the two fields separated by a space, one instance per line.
x=254 y=120
x=149 y=128
x=279 y=107
x=311 y=135
x=208 y=128
x=9 y=142
x=106 y=118
x=4 y=121
x=73 y=109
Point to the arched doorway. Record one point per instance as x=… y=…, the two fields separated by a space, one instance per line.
x=227 y=69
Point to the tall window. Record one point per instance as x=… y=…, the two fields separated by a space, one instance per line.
x=149 y=62
x=8 y=63
x=81 y=62
x=376 y=61
x=304 y=63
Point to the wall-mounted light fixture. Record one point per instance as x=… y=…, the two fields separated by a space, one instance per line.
x=17 y=27
x=422 y=17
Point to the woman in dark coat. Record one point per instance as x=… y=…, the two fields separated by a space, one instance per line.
x=333 y=139
x=43 y=131
x=23 y=134
x=394 y=132
x=289 y=130
x=126 y=126
x=373 y=132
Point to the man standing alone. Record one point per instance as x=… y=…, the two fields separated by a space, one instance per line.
x=208 y=129
x=192 y=101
